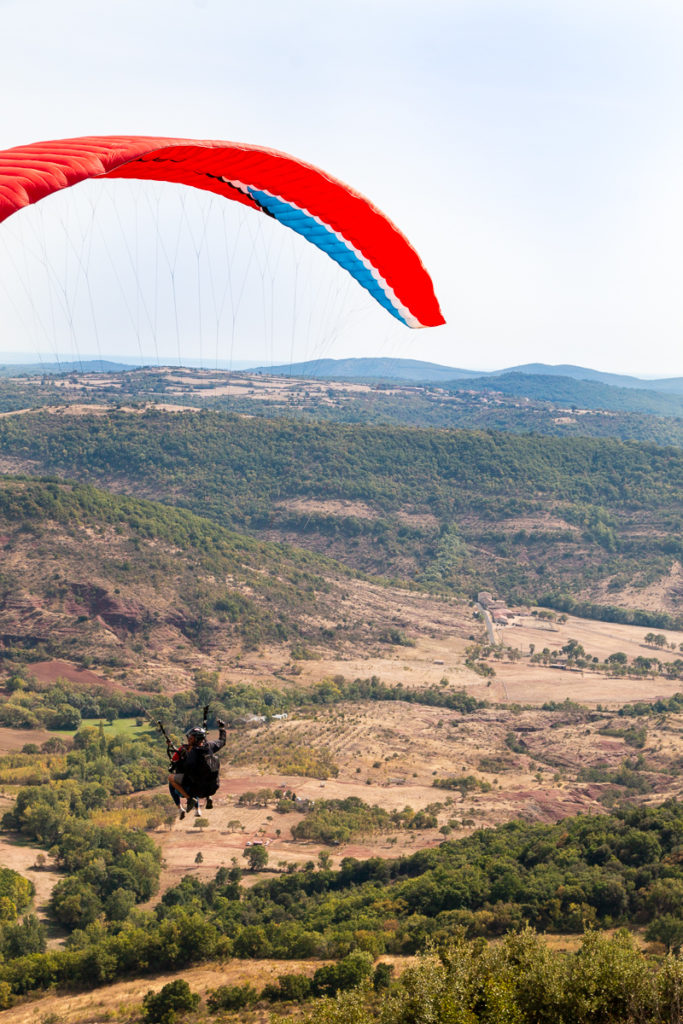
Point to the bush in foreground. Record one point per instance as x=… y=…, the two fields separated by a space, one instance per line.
x=164 y=1006
x=231 y=997
x=521 y=981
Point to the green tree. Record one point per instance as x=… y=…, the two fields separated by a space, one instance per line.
x=381 y=977
x=16 y=892
x=257 y=856
x=75 y=903
x=119 y=904
x=289 y=988
x=24 y=937
x=668 y=930
x=231 y=997
x=164 y=1006
x=346 y=974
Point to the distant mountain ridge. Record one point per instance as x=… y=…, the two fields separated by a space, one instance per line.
x=672 y=384
x=419 y=372
x=383 y=368
x=81 y=366
x=13 y=363
x=380 y=368
x=576 y=393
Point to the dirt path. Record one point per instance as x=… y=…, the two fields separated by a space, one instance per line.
x=488 y=622
x=19 y=855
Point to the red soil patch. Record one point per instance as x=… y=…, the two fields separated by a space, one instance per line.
x=51 y=671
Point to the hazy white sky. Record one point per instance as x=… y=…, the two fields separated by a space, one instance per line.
x=531 y=151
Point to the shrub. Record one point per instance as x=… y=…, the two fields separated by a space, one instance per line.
x=164 y=1006
x=289 y=987
x=382 y=976
x=348 y=973
x=231 y=997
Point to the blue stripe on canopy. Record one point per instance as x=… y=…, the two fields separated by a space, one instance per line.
x=325 y=239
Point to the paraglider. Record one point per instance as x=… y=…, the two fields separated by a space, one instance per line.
x=338 y=220
x=330 y=215
x=194 y=766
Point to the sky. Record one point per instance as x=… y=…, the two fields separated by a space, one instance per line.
x=532 y=152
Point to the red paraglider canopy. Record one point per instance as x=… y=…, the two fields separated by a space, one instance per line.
x=328 y=213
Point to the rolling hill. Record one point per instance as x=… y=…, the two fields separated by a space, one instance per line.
x=420 y=372
x=581 y=393
x=452 y=511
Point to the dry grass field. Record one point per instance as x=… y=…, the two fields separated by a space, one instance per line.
x=389 y=756
x=441 y=633
x=527 y=683
x=121 y=1002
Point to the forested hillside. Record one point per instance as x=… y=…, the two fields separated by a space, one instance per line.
x=596 y=412
x=528 y=516
x=580 y=394
x=111 y=581
x=486 y=407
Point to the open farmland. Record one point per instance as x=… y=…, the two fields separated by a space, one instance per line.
x=391 y=755
x=520 y=761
